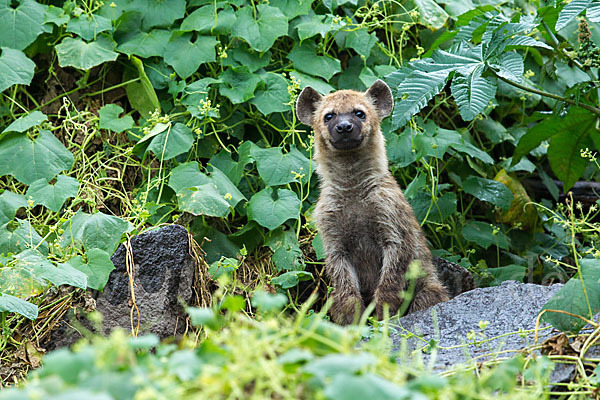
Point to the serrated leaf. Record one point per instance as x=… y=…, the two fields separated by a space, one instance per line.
x=26 y=122
x=204 y=20
x=20 y=25
x=54 y=195
x=97 y=269
x=18 y=236
x=570 y=11
x=88 y=26
x=15 y=68
x=272 y=95
x=261 y=33
x=571 y=298
x=109 y=118
x=306 y=60
x=415 y=92
x=276 y=168
x=146 y=44
x=593 y=12
x=14 y=304
x=158 y=12
x=488 y=190
x=271 y=213
x=97 y=230
x=483 y=234
x=171 y=142
x=524 y=41
x=472 y=93
x=238 y=84
x=9 y=204
x=186 y=56
x=79 y=54
x=509 y=65
x=30 y=160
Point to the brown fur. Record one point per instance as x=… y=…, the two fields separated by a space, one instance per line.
x=369 y=230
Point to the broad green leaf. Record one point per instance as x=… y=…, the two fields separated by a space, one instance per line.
x=54 y=195
x=30 y=160
x=361 y=41
x=56 y=15
x=306 y=60
x=415 y=92
x=97 y=269
x=291 y=279
x=267 y=302
x=88 y=26
x=63 y=274
x=17 y=236
x=94 y=231
x=159 y=12
x=142 y=95
x=572 y=298
x=570 y=11
x=173 y=141
x=494 y=130
x=400 y=148
x=488 y=190
x=315 y=24
x=20 y=281
x=485 y=235
x=245 y=56
x=339 y=364
x=204 y=20
x=20 y=25
x=9 y=204
x=109 y=118
x=13 y=304
x=79 y=54
x=564 y=154
x=507 y=273
x=15 y=68
x=593 y=15
x=317 y=244
x=233 y=169
x=473 y=93
x=203 y=317
x=203 y=200
x=272 y=94
x=187 y=175
x=318 y=84
x=276 y=168
x=292 y=8
x=261 y=33
x=509 y=65
x=225 y=187
x=524 y=41
x=146 y=44
x=26 y=122
x=195 y=95
x=287 y=254
x=431 y=14
x=475 y=152
x=434 y=210
x=271 y=213
x=238 y=84
x=186 y=56
x=367 y=386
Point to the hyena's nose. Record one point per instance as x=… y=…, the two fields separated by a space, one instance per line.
x=344 y=127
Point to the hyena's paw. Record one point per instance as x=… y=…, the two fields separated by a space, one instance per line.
x=346 y=308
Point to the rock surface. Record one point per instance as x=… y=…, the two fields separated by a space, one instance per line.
x=510 y=307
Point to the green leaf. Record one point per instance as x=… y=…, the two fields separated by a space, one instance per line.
x=292 y=8
x=564 y=154
x=593 y=14
x=483 y=234
x=97 y=269
x=519 y=41
x=238 y=84
x=94 y=231
x=21 y=25
x=79 y=54
x=88 y=26
x=469 y=149
x=186 y=56
x=314 y=24
x=507 y=273
x=473 y=93
x=488 y=190
x=291 y=279
x=261 y=33
x=431 y=14
x=187 y=175
x=204 y=317
x=245 y=56
x=361 y=41
x=62 y=274
x=570 y=11
x=13 y=304
x=367 y=386
x=339 y=364
x=267 y=302
x=18 y=236
x=9 y=204
x=276 y=168
x=171 y=142
x=271 y=213
x=15 y=68
x=30 y=160
x=435 y=210
x=415 y=92
x=203 y=200
x=306 y=60
x=287 y=254
x=142 y=95
x=109 y=119
x=400 y=148
x=146 y=44
x=509 y=65
x=318 y=84
x=317 y=244
x=196 y=93
x=56 y=15
x=272 y=94
x=572 y=298
x=26 y=122
x=203 y=20
x=54 y=195
x=159 y=12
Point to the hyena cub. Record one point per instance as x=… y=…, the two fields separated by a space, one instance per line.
x=369 y=230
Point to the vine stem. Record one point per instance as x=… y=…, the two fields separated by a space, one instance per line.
x=592 y=109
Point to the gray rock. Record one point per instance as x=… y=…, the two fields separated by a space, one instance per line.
x=163 y=276
x=510 y=307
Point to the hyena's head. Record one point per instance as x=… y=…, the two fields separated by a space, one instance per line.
x=345 y=120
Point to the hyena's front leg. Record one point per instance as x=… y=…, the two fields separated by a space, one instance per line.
x=392 y=283
x=347 y=302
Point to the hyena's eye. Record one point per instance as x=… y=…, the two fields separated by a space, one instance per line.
x=360 y=114
x=328 y=117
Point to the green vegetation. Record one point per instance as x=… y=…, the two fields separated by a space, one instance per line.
x=120 y=116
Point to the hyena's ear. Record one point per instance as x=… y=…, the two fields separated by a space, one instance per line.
x=307 y=105
x=381 y=96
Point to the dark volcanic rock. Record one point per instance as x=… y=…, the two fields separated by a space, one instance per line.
x=509 y=307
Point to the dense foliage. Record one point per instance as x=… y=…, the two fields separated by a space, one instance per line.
x=120 y=116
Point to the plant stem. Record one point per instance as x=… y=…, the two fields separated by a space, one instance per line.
x=592 y=109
